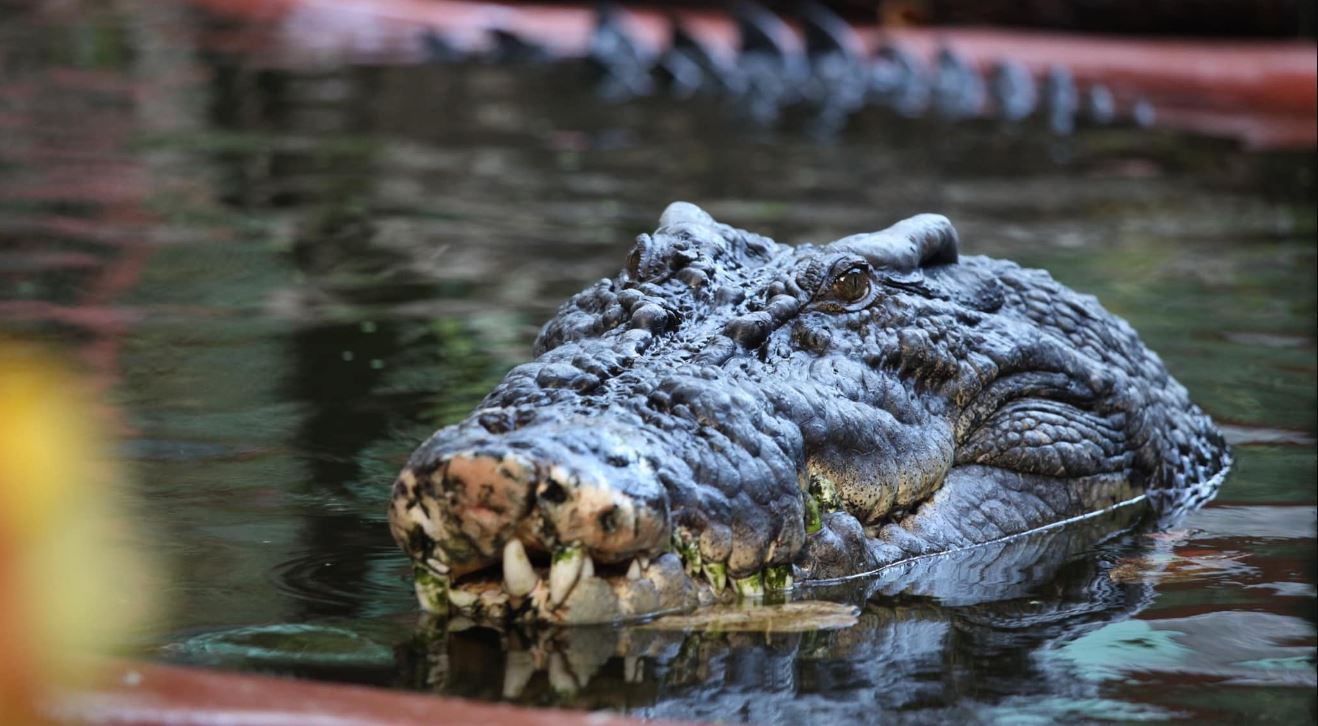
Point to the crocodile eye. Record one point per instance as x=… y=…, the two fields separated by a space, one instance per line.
x=851 y=286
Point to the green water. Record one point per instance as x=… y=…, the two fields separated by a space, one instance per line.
x=287 y=277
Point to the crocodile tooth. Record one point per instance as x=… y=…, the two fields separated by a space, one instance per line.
x=431 y=590
x=813 y=521
x=518 y=576
x=688 y=551
x=634 y=570
x=462 y=599
x=633 y=669
x=587 y=567
x=749 y=586
x=717 y=575
x=564 y=572
x=494 y=603
x=436 y=566
x=778 y=579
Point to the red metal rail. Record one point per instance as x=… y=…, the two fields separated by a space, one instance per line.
x=1260 y=92
x=145 y=694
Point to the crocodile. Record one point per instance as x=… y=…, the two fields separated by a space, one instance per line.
x=730 y=418
x=819 y=62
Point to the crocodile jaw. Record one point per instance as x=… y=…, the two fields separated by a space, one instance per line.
x=496 y=537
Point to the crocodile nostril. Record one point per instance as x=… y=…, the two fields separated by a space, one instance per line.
x=552 y=492
x=608 y=520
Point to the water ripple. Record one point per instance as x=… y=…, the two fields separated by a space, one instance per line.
x=283 y=644
x=330 y=583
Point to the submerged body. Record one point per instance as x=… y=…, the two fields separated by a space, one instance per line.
x=730 y=416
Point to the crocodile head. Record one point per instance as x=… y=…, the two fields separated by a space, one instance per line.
x=730 y=416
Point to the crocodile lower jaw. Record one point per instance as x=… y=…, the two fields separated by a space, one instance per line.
x=571 y=589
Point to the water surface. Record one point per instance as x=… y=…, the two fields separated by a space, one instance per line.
x=284 y=278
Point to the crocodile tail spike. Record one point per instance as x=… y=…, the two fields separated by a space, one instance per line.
x=825 y=32
x=761 y=31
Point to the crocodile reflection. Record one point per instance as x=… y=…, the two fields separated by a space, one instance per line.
x=926 y=635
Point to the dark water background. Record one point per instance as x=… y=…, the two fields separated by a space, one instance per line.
x=284 y=278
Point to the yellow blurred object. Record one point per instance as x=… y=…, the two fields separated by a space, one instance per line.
x=70 y=582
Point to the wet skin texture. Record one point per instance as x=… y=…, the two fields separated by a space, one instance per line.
x=730 y=416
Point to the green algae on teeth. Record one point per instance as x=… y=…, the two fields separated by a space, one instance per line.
x=749 y=586
x=432 y=590
x=717 y=575
x=778 y=579
x=564 y=571
x=688 y=550
x=813 y=519
x=825 y=493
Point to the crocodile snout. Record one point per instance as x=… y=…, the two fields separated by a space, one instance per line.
x=572 y=526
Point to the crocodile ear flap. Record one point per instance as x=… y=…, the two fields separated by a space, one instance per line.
x=921 y=241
